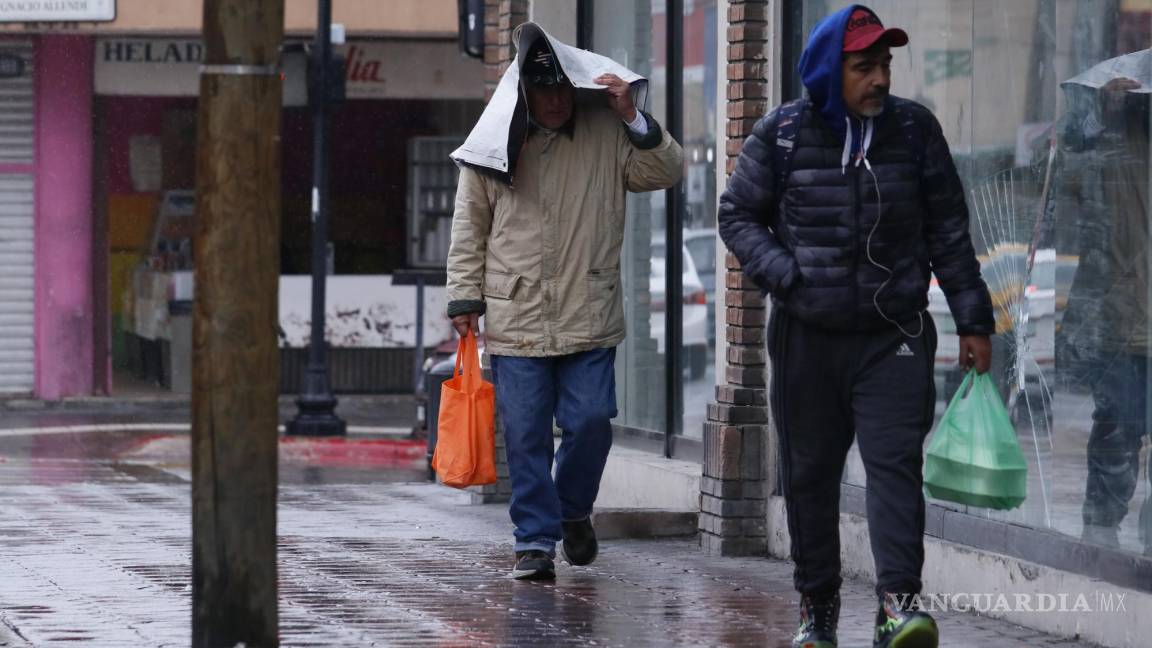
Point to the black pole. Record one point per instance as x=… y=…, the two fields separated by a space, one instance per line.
x=792 y=30
x=317 y=413
x=584 y=19
x=674 y=238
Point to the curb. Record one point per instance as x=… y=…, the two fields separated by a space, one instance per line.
x=644 y=524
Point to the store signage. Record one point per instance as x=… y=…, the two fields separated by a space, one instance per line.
x=411 y=70
x=148 y=67
x=57 y=10
x=11 y=66
x=398 y=69
x=148 y=51
x=362 y=67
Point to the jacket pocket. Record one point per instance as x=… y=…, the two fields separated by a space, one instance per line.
x=500 y=285
x=605 y=303
x=502 y=318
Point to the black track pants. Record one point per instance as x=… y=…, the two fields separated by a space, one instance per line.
x=828 y=388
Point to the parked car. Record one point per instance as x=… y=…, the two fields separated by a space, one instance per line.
x=701 y=244
x=695 y=299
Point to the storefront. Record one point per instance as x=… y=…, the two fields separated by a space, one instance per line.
x=46 y=328
x=402 y=97
x=98 y=124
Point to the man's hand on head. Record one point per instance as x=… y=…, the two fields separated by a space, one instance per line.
x=1112 y=94
x=619 y=96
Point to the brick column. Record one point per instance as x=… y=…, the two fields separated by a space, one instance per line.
x=500 y=18
x=733 y=515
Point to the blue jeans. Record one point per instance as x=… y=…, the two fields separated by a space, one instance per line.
x=579 y=392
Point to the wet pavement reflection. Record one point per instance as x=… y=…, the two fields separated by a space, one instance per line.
x=58 y=455
x=95 y=550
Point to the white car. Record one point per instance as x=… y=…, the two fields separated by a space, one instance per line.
x=695 y=329
x=701 y=244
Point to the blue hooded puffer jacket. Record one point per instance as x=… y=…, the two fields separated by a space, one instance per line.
x=849 y=245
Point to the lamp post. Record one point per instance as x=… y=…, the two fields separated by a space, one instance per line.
x=317 y=406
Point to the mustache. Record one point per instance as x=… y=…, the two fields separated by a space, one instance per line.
x=878 y=94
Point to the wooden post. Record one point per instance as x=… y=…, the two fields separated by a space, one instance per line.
x=235 y=366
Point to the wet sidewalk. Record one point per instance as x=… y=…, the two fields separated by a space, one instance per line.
x=95 y=551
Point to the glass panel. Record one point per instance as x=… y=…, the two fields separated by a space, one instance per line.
x=700 y=100
x=632 y=32
x=1100 y=263
x=1053 y=147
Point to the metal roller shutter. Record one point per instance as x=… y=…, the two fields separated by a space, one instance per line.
x=17 y=191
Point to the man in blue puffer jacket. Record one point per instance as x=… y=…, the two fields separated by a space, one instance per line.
x=845 y=239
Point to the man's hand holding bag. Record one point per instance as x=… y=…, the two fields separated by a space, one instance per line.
x=466 y=439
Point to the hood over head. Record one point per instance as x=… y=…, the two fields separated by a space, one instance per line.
x=821 y=64
x=494 y=143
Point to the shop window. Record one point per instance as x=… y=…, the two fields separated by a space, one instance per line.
x=630 y=32
x=635 y=34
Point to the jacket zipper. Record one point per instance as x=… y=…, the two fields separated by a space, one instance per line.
x=854 y=178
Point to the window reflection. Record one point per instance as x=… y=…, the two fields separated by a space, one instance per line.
x=631 y=33
x=699 y=234
x=634 y=32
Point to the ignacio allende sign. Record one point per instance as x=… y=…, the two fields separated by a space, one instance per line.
x=57 y=10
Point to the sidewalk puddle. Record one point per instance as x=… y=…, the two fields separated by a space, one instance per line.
x=164 y=456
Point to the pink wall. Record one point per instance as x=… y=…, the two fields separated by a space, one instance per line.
x=64 y=302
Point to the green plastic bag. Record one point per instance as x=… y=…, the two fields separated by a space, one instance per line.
x=974 y=457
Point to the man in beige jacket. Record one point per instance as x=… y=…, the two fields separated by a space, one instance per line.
x=537 y=252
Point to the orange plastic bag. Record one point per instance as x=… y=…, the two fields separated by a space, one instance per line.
x=465 y=452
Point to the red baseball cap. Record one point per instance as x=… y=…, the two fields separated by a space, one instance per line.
x=864 y=29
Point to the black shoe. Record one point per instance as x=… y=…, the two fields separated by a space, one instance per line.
x=533 y=565
x=580 y=546
x=899 y=625
x=818 y=619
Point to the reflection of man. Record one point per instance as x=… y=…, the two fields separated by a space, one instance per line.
x=845 y=244
x=1109 y=141
x=540 y=258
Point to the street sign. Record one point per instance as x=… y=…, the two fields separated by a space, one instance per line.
x=57 y=11
x=11 y=66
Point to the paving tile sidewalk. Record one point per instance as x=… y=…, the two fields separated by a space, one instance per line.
x=105 y=562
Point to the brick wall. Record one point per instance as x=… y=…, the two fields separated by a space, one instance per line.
x=735 y=484
x=500 y=18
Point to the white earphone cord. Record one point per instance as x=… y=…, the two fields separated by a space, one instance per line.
x=866 y=137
